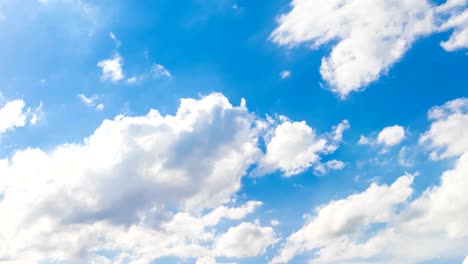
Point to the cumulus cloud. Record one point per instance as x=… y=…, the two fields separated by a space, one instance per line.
x=112 y=68
x=368 y=36
x=447 y=133
x=143 y=187
x=457 y=22
x=245 y=240
x=391 y=136
x=295 y=146
x=431 y=226
x=346 y=217
x=14 y=114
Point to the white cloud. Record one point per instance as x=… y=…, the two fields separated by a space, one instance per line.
x=113 y=190
x=160 y=71
x=112 y=68
x=447 y=133
x=245 y=240
x=391 y=136
x=143 y=187
x=274 y=222
x=465 y=261
x=338 y=219
x=295 y=146
x=457 y=21
x=114 y=38
x=363 y=140
x=367 y=36
x=432 y=226
x=13 y=114
x=91 y=101
x=285 y=74
x=324 y=168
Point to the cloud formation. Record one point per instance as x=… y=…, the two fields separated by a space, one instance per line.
x=430 y=226
x=143 y=187
x=367 y=36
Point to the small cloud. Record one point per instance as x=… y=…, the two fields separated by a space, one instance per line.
x=160 y=71
x=274 y=222
x=100 y=107
x=364 y=140
x=285 y=74
x=43 y=81
x=117 y=42
x=112 y=68
x=91 y=101
x=235 y=6
x=36 y=114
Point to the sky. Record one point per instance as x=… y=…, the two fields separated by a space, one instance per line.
x=196 y=131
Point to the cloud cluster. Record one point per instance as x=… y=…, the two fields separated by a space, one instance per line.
x=368 y=36
x=371 y=226
x=143 y=187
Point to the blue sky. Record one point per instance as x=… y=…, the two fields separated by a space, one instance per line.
x=313 y=132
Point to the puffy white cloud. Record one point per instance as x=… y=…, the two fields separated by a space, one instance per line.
x=391 y=136
x=123 y=180
x=147 y=186
x=245 y=240
x=223 y=212
x=295 y=146
x=370 y=35
x=342 y=218
x=367 y=36
x=457 y=21
x=465 y=261
x=14 y=114
x=112 y=68
x=431 y=226
x=448 y=130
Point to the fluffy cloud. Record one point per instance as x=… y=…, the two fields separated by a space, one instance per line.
x=391 y=136
x=458 y=22
x=143 y=187
x=245 y=240
x=112 y=68
x=340 y=219
x=431 y=226
x=294 y=147
x=448 y=130
x=13 y=114
x=370 y=35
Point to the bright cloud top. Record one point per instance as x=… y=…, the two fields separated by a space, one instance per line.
x=371 y=35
